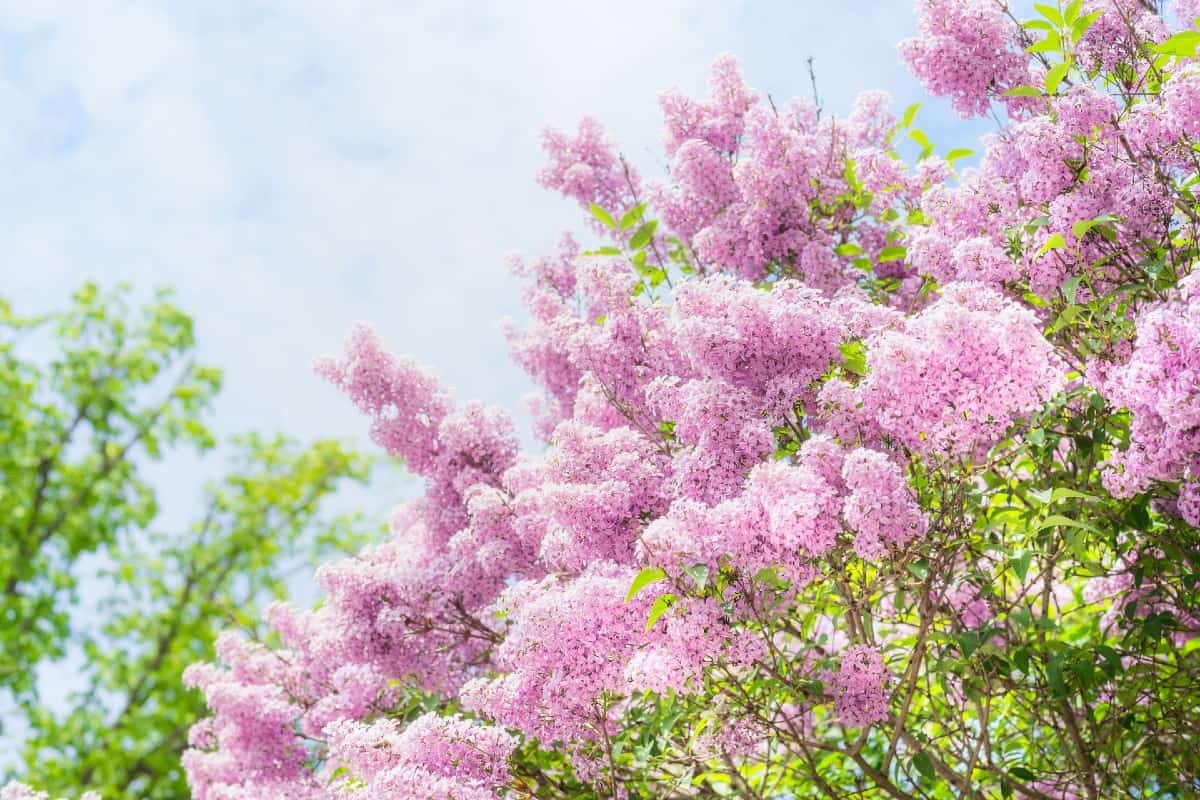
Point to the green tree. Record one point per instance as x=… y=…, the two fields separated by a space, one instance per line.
x=118 y=385
x=124 y=732
x=87 y=396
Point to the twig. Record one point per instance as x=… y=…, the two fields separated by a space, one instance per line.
x=812 y=77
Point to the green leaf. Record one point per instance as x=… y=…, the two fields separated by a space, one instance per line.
x=918 y=136
x=1137 y=516
x=1085 y=672
x=1069 y=287
x=1112 y=660
x=894 y=253
x=699 y=573
x=855 y=357
x=711 y=777
x=1055 y=241
x=1077 y=543
x=602 y=215
x=919 y=569
x=1055 y=677
x=1063 y=493
x=910 y=114
x=1072 y=11
x=1020 y=657
x=924 y=765
x=769 y=576
x=1082 y=24
x=959 y=152
x=1022 y=773
x=643 y=579
x=848 y=249
x=659 y=608
x=1051 y=13
x=632 y=216
x=1081 y=227
x=1182 y=44
x=1055 y=76
x=1058 y=520
x=643 y=235
x=1068 y=315
x=1020 y=565
x=1023 y=91
x=1051 y=44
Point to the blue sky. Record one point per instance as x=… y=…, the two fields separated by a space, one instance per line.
x=294 y=167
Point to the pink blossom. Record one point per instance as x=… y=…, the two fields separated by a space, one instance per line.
x=860 y=687
x=966 y=50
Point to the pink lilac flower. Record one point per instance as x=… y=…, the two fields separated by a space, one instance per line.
x=860 y=687
x=967 y=50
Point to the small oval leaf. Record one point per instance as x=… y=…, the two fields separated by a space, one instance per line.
x=644 y=234
x=602 y=215
x=644 y=578
x=659 y=608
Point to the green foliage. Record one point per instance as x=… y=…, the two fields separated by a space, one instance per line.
x=77 y=427
x=119 y=387
x=126 y=729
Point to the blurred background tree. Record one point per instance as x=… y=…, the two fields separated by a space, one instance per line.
x=88 y=396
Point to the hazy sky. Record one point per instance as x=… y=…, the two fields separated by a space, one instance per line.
x=292 y=167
